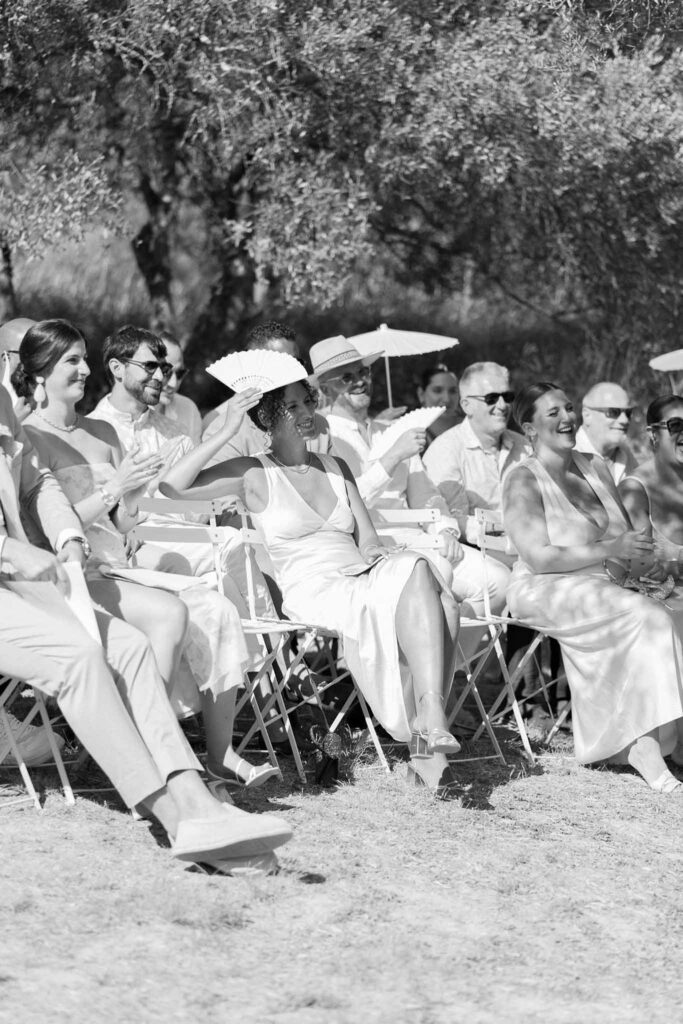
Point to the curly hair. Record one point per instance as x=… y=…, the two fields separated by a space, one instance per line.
x=271 y=409
x=40 y=350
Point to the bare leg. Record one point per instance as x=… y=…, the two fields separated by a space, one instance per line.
x=426 y=636
x=645 y=756
x=161 y=616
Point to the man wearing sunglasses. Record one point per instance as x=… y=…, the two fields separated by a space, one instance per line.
x=179 y=408
x=467 y=462
x=606 y=414
x=136 y=362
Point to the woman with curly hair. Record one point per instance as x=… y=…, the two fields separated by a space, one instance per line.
x=397 y=621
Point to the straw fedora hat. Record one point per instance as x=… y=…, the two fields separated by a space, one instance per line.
x=333 y=353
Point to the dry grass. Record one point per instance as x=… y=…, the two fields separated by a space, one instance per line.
x=541 y=895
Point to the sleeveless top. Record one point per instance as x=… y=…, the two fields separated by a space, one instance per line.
x=565 y=523
x=301 y=543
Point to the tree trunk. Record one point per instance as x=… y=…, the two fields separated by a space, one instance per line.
x=8 y=299
x=152 y=251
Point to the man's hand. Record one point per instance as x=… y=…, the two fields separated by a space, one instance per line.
x=410 y=443
x=72 y=551
x=392 y=413
x=33 y=564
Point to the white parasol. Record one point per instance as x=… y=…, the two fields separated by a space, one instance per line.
x=670 y=363
x=393 y=342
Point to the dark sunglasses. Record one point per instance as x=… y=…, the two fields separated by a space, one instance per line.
x=364 y=373
x=492 y=397
x=150 y=366
x=613 y=412
x=674 y=425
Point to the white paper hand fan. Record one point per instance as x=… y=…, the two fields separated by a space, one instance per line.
x=260 y=369
x=419 y=419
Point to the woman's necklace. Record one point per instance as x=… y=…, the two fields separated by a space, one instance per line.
x=294 y=469
x=65 y=430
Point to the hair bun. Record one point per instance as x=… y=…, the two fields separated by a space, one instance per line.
x=21 y=382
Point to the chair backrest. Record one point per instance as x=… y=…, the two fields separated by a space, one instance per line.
x=186 y=533
x=491 y=536
x=387 y=519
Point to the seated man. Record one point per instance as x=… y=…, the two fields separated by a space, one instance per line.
x=179 y=408
x=249 y=440
x=113 y=696
x=467 y=462
x=11 y=336
x=606 y=413
x=136 y=364
x=397 y=479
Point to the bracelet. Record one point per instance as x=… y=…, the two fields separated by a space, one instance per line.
x=110 y=500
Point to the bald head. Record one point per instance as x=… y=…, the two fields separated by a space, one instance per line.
x=606 y=414
x=12 y=333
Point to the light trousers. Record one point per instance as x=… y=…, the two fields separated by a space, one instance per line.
x=112 y=695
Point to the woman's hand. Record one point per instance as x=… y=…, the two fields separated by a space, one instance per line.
x=236 y=410
x=135 y=471
x=375 y=549
x=451 y=549
x=666 y=552
x=633 y=544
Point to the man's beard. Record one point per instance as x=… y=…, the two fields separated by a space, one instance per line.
x=142 y=393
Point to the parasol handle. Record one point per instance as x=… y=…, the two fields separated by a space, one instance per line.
x=388 y=376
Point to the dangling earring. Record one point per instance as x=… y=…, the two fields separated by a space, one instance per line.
x=39 y=393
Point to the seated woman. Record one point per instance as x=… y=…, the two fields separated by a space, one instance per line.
x=196 y=636
x=439 y=386
x=653 y=493
x=621 y=648
x=397 y=621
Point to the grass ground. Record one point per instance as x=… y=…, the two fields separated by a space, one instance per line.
x=548 y=894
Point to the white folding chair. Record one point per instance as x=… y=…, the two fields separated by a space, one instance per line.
x=387 y=521
x=296 y=641
x=492 y=538
x=9 y=688
x=193 y=532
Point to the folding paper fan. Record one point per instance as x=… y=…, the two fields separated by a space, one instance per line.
x=260 y=369
x=419 y=419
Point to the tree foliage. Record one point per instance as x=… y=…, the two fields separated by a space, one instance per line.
x=538 y=145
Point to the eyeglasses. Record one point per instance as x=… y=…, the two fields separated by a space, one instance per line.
x=150 y=366
x=613 y=412
x=674 y=425
x=365 y=373
x=491 y=398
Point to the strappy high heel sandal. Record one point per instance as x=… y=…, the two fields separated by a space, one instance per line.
x=425 y=742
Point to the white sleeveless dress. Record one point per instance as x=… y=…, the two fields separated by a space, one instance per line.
x=308 y=555
x=621 y=650
x=214 y=649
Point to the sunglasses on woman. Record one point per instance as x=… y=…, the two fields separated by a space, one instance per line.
x=491 y=397
x=674 y=425
x=612 y=412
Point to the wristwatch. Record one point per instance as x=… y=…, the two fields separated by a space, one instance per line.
x=110 y=500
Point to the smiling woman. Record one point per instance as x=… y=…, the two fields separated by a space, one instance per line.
x=396 y=620
x=565 y=518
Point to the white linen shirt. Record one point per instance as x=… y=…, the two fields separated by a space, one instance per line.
x=622 y=463
x=468 y=475
x=407 y=487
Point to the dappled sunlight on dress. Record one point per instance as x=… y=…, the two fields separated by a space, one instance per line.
x=309 y=554
x=621 y=649
x=214 y=649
